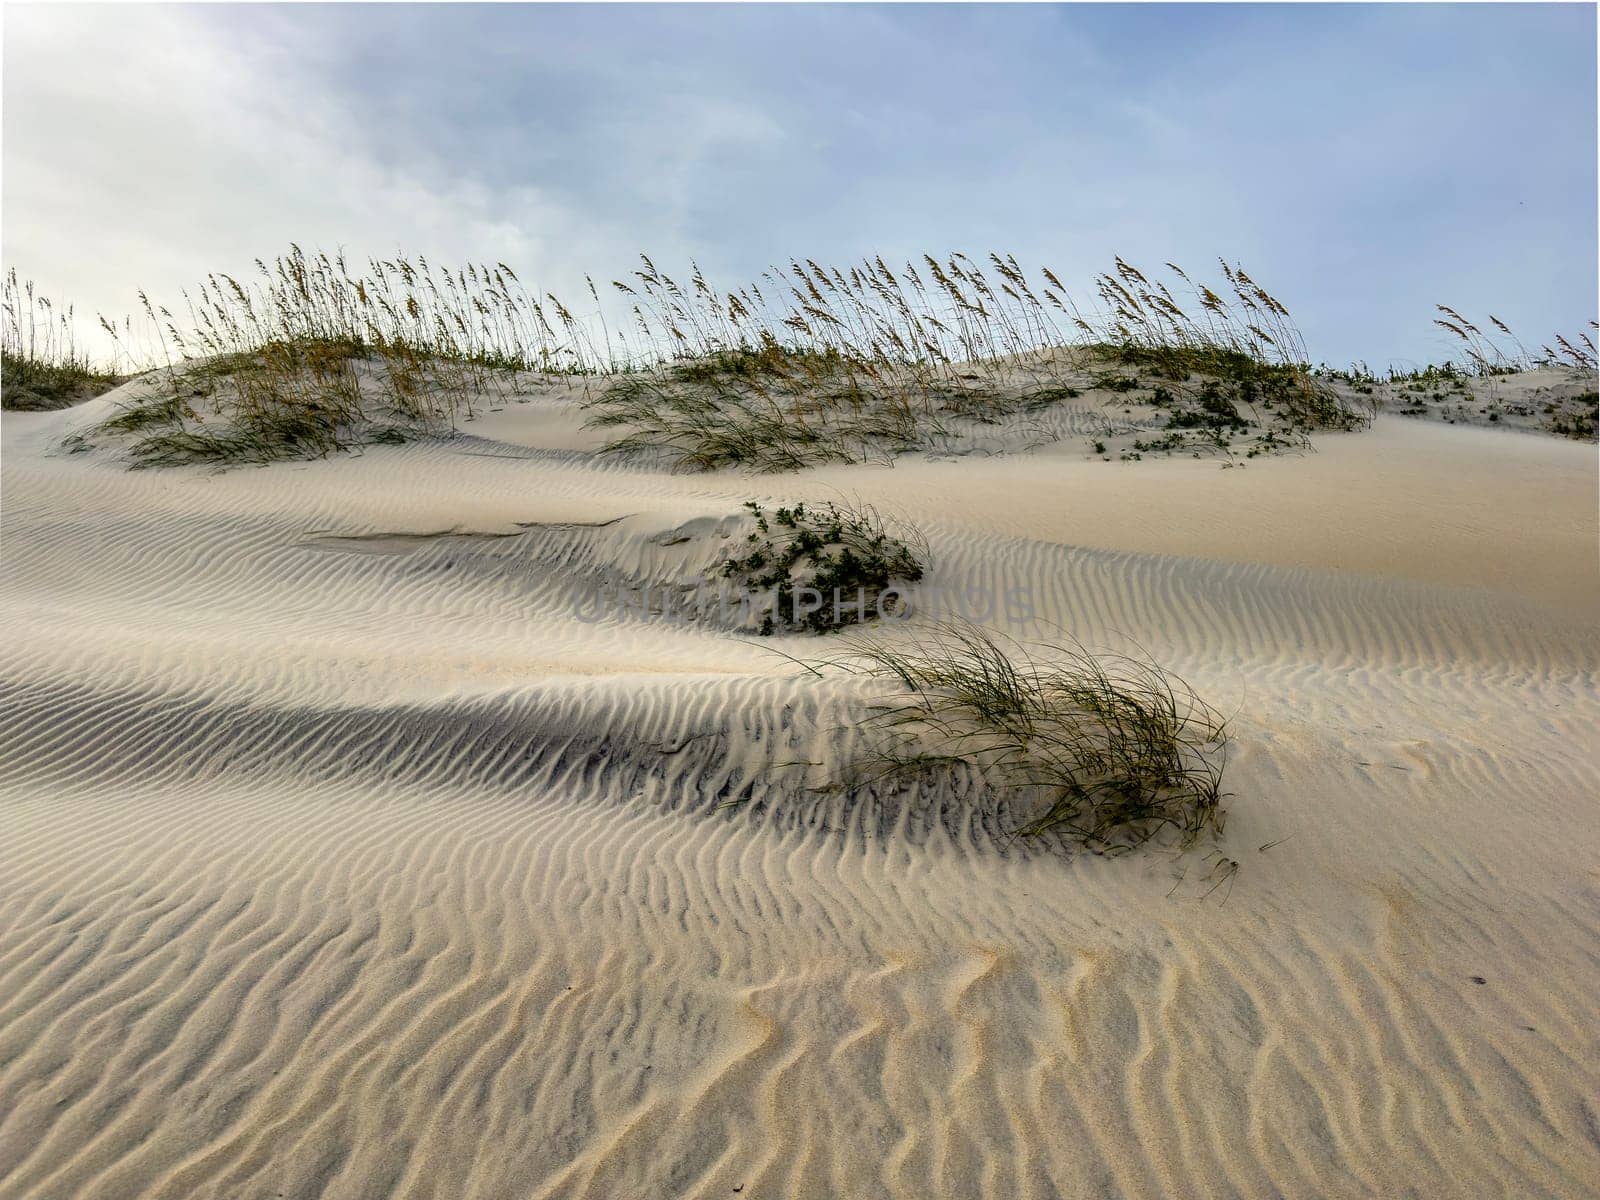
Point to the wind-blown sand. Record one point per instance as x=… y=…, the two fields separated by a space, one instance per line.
x=344 y=861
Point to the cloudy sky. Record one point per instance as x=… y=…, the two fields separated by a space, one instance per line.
x=1362 y=162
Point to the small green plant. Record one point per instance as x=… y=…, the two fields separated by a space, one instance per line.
x=1103 y=751
x=1213 y=411
x=1168 y=443
x=1583 y=422
x=822 y=567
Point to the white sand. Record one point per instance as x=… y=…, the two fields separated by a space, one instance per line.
x=338 y=867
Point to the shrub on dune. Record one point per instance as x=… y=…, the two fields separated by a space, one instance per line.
x=823 y=566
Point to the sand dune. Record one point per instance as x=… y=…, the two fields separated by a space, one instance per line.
x=347 y=854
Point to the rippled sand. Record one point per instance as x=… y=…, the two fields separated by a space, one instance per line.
x=345 y=855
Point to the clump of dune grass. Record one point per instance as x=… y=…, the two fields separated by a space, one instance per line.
x=285 y=399
x=1243 y=348
x=1213 y=388
x=478 y=318
x=823 y=566
x=770 y=408
x=310 y=359
x=1103 y=751
x=41 y=363
x=831 y=365
x=810 y=364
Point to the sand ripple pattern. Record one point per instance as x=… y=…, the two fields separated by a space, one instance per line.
x=344 y=857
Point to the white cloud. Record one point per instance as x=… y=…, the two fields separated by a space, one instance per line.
x=145 y=149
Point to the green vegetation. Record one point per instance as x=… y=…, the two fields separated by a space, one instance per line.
x=1102 y=751
x=1581 y=425
x=812 y=364
x=312 y=359
x=287 y=399
x=1478 y=389
x=846 y=366
x=766 y=409
x=844 y=557
x=30 y=384
x=41 y=366
x=1206 y=386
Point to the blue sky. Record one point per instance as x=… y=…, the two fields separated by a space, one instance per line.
x=1364 y=162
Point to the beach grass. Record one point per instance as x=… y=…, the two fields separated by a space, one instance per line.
x=41 y=363
x=1101 y=751
x=810 y=364
x=847 y=365
x=1499 y=351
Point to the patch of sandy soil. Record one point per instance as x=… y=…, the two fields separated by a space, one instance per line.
x=349 y=850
